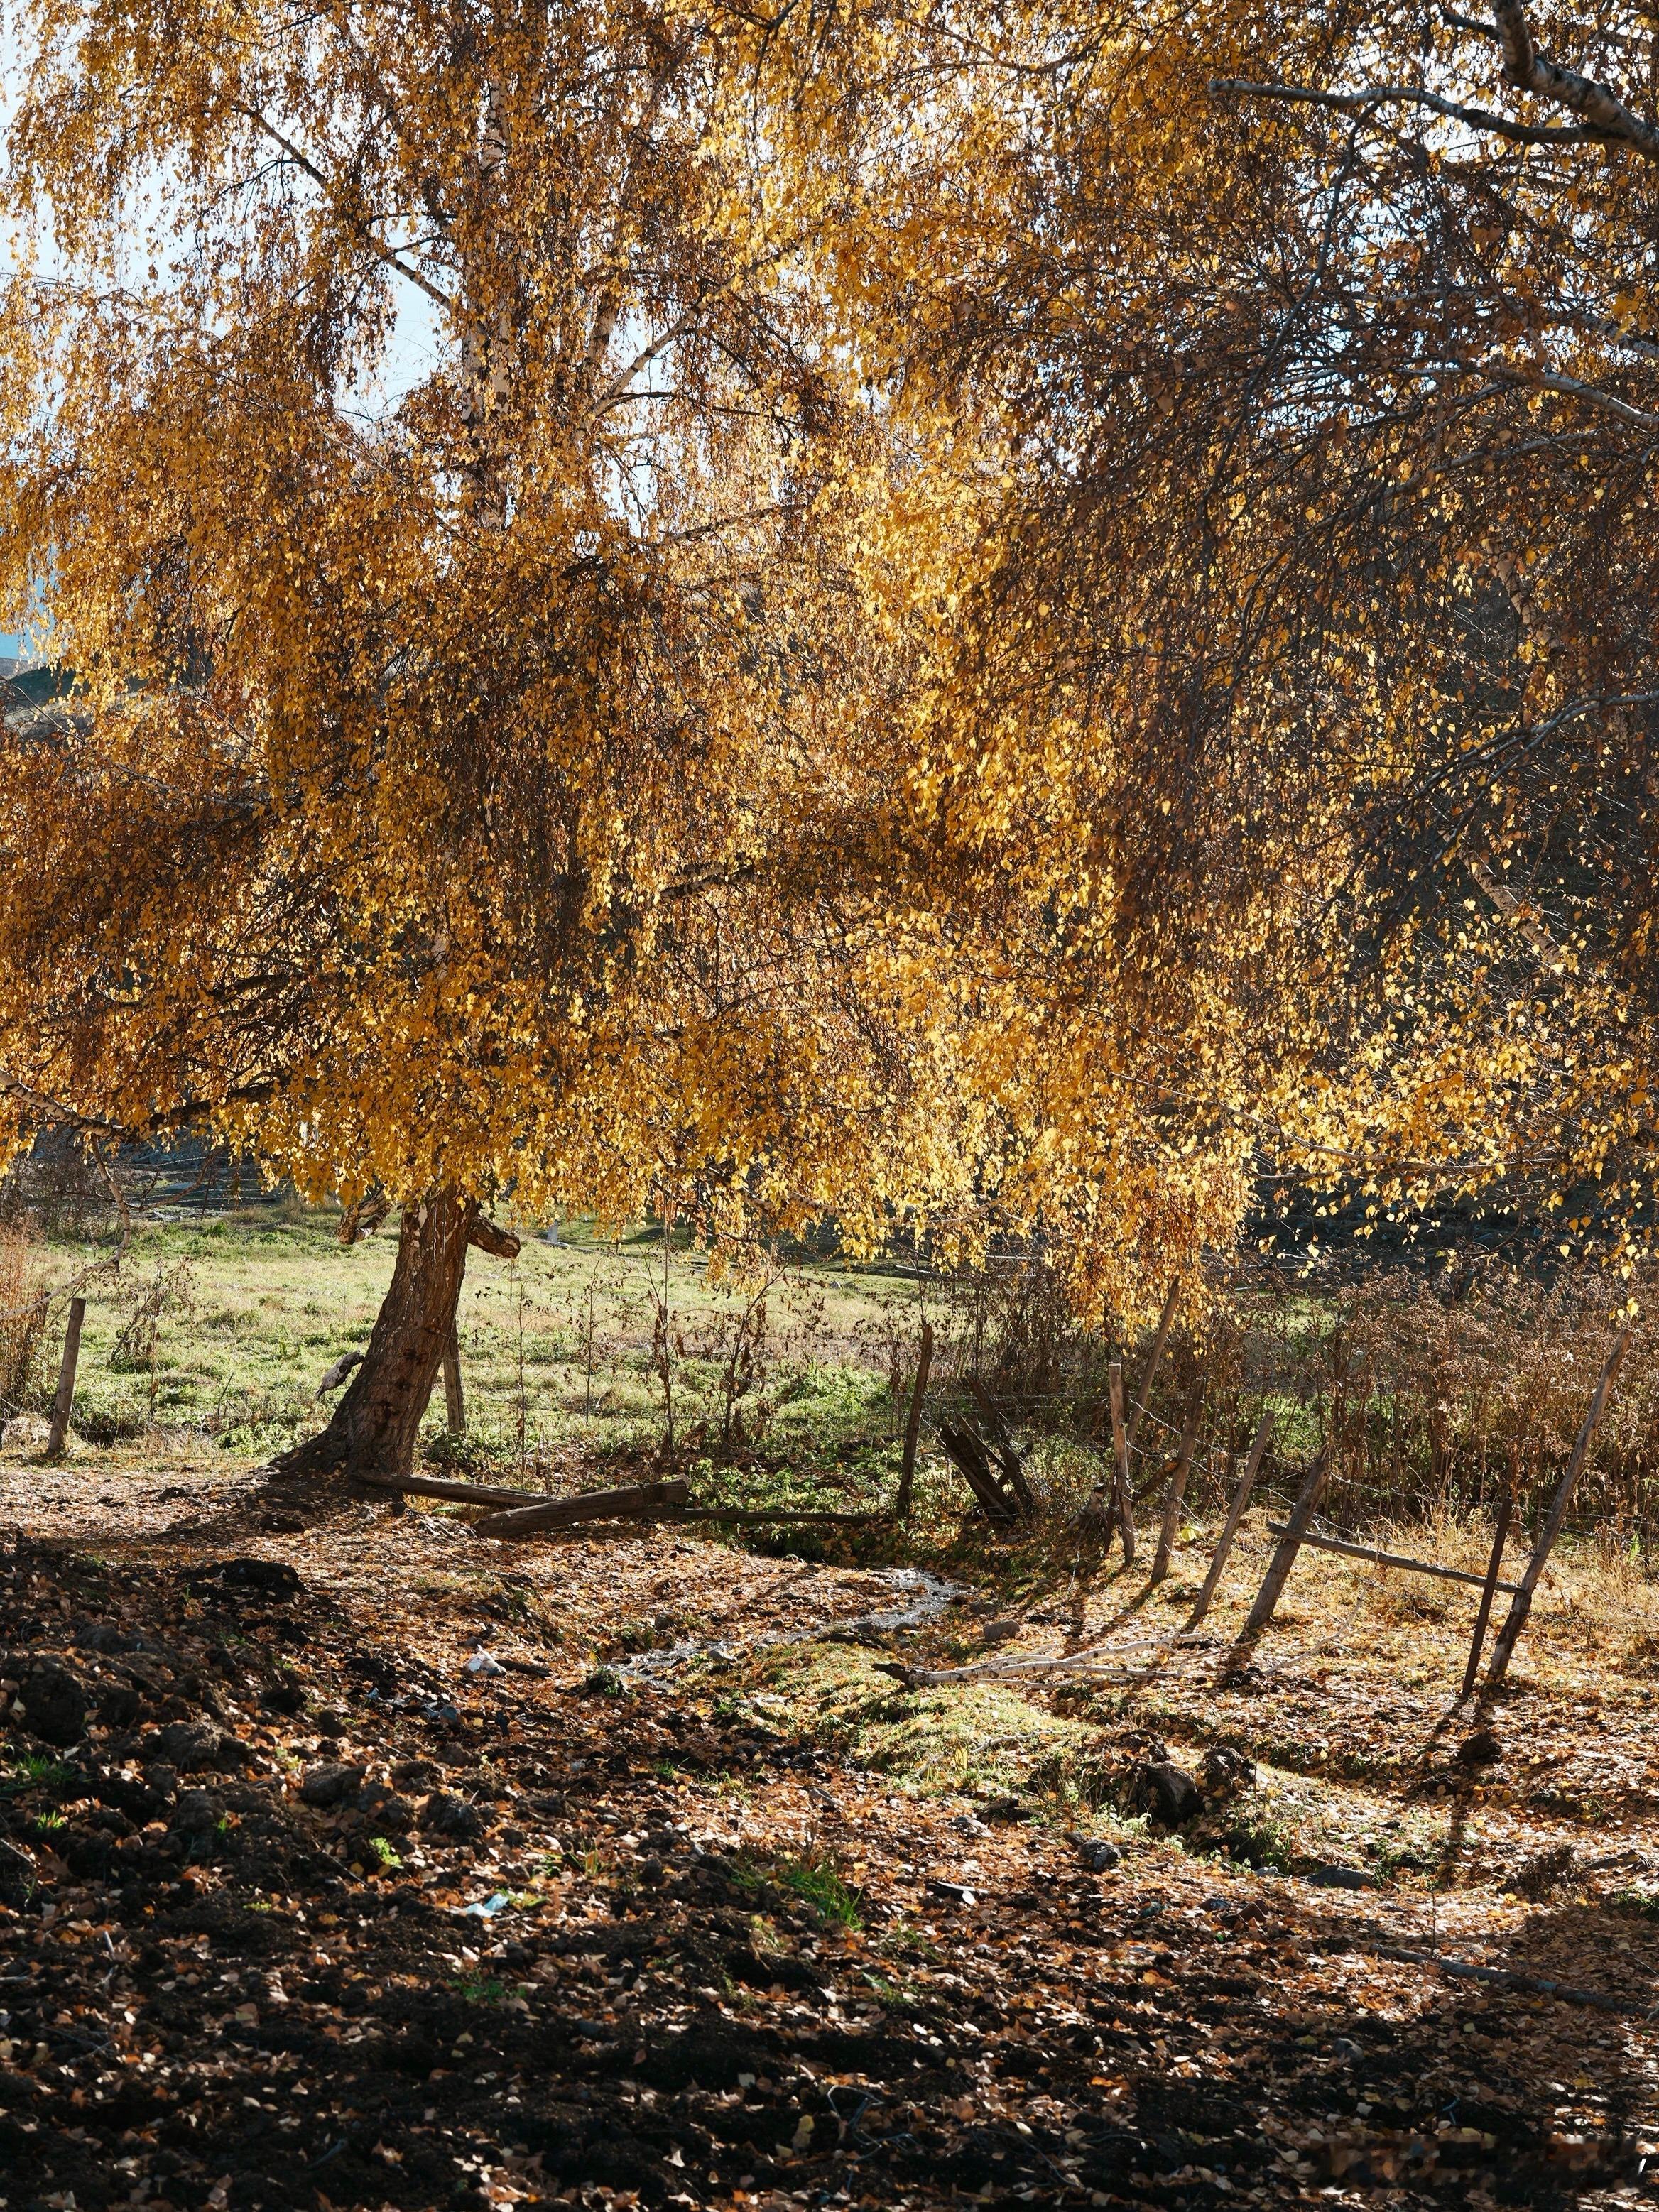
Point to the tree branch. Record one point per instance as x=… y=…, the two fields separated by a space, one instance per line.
x=1355 y=103
x=488 y=1238
x=617 y=387
x=1575 y=390
x=1518 y=915
x=1531 y=380
x=365 y=231
x=1524 y=65
x=1471 y=24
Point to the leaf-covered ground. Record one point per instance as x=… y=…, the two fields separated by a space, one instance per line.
x=699 y=1902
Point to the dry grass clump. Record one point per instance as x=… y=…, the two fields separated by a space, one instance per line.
x=1546 y=1875
x=1448 y=1390
x=1596 y=1607
x=23 y=1314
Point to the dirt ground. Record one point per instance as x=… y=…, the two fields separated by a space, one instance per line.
x=366 y=1862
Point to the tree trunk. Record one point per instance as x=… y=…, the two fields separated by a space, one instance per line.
x=377 y=1421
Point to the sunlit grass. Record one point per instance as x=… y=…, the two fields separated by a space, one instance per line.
x=555 y=1353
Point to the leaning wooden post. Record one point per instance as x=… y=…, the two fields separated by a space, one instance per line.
x=1230 y=1527
x=1521 y=1603
x=1158 y=1342
x=454 y=1398
x=1174 y=1493
x=1126 y=1510
x=1273 y=1583
x=1494 y=1567
x=62 y=1404
x=912 y=1420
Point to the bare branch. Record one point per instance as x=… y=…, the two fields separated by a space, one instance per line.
x=1539 y=380
x=618 y=384
x=375 y=245
x=1357 y=103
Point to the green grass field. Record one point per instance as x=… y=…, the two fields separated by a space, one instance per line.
x=214 y=1335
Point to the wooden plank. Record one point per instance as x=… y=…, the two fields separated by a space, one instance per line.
x=966 y=1449
x=967 y=1456
x=1520 y=1605
x=912 y=1420
x=1007 y=1451
x=1273 y=1583
x=1158 y=1342
x=1500 y=1537
x=1230 y=1527
x=454 y=1397
x=1374 y=1558
x=63 y=1404
x=1126 y=1510
x=1176 y=1491
x=631 y=1501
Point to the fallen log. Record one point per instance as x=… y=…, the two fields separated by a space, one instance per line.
x=1466 y=1970
x=1007 y=1451
x=459 y=1493
x=516 y=1501
x=634 y=1501
x=1087 y=1661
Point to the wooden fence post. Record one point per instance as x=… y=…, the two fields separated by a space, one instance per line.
x=63 y=1403
x=454 y=1398
x=1230 y=1527
x=912 y=1420
x=1156 y=1353
x=1273 y=1583
x=1176 y=1492
x=1126 y=1510
x=1521 y=1603
x=1494 y=1565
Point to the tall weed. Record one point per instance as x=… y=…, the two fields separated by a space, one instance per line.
x=23 y=1314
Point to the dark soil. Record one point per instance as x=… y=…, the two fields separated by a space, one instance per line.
x=244 y=1822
